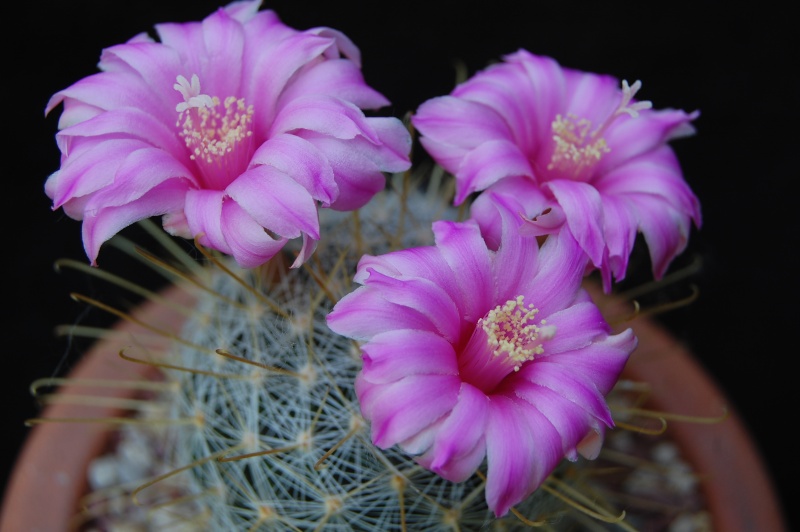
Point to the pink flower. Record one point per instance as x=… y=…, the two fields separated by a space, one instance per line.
x=566 y=148
x=236 y=129
x=471 y=353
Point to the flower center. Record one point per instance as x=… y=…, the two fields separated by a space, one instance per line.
x=577 y=147
x=512 y=332
x=218 y=134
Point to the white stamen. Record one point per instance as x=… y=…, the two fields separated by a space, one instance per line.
x=191 y=94
x=511 y=330
x=576 y=148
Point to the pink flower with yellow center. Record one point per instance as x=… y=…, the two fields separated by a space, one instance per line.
x=236 y=129
x=471 y=354
x=567 y=149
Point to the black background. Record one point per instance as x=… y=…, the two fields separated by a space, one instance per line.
x=737 y=66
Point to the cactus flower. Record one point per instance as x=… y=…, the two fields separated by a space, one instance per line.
x=471 y=354
x=568 y=149
x=236 y=130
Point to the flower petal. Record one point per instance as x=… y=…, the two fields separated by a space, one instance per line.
x=391 y=355
x=522 y=448
x=276 y=201
x=402 y=408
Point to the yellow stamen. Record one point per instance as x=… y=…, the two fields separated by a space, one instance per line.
x=213 y=133
x=577 y=147
x=511 y=329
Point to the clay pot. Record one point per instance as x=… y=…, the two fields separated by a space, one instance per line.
x=50 y=476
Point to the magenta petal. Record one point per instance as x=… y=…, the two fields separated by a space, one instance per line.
x=203 y=209
x=338 y=78
x=522 y=449
x=459 y=447
x=276 y=201
x=328 y=116
x=141 y=171
x=452 y=127
x=561 y=268
x=132 y=123
x=465 y=251
x=424 y=262
x=273 y=66
x=583 y=208
x=157 y=66
x=364 y=313
x=576 y=326
x=223 y=40
x=522 y=196
x=391 y=355
x=621 y=228
x=300 y=159
x=403 y=408
x=631 y=137
x=665 y=229
x=517 y=255
x=105 y=223
x=423 y=296
x=358 y=163
x=90 y=171
x=487 y=164
x=246 y=240
x=569 y=420
x=306 y=250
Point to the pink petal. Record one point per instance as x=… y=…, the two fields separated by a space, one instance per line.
x=90 y=171
x=328 y=116
x=424 y=262
x=470 y=261
x=339 y=78
x=403 y=408
x=157 y=65
x=451 y=127
x=139 y=172
x=364 y=313
x=665 y=229
x=423 y=296
x=517 y=256
x=394 y=354
x=522 y=449
x=358 y=164
x=276 y=201
x=583 y=208
x=223 y=40
x=631 y=137
x=271 y=67
x=520 y=195
x=246 y=240
x=105 y=223
x=569 y=420
x=128 y=123
x=203 y=210
x=300 y=159
x=576 y=326
x=561 y=265
x=488 y=163
x=460 y=446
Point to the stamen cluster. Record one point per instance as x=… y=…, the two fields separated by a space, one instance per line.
x=511 y=329
x=210 y=134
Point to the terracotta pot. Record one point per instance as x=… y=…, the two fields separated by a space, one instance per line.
x=50 y=476
x=739 y=492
